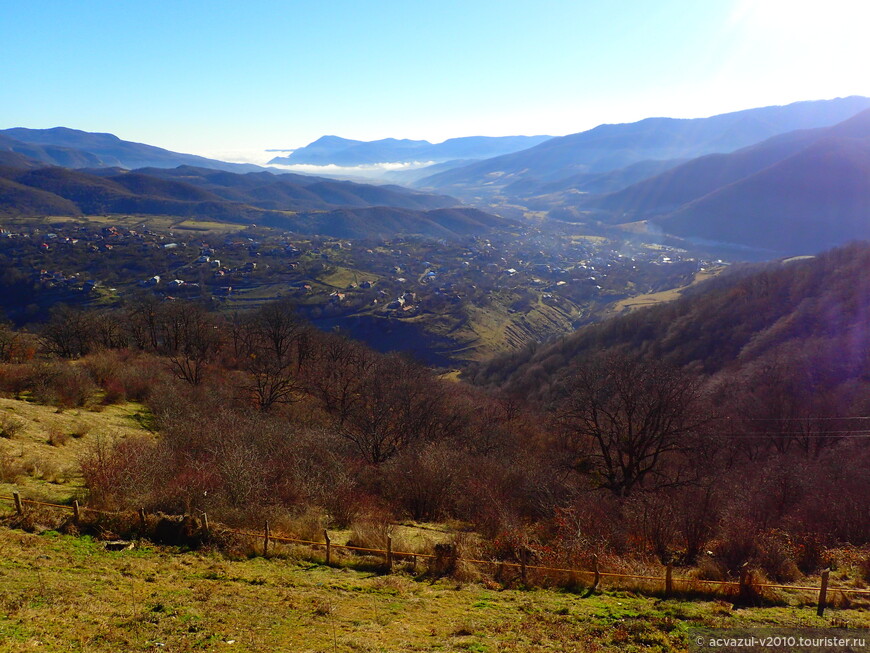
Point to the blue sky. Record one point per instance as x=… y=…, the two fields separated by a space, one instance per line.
x=217 y=77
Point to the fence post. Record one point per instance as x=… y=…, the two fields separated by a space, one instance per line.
x=328 y=546
x=142 y=518
x=669 y=579
x=266 y=539
x=18 y=507
x=389 y=553
x=205 y=524
x=823 y=593
x=524 y=552
x=76 y=515
x=597 y=572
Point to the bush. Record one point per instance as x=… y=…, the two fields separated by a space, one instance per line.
x=57 y=438
x=10 y=426
x=62 y=385
x=776 y=557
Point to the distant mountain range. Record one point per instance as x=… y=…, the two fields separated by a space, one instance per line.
x=300 y=203
x=346 y=152
x=610 y=147
x=72 y=148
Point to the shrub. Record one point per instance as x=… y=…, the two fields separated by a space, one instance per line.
x=371 y=531
x=57 y=438
x=62 y=385
x=11 y=469
x=10 y=426
x=776 y=557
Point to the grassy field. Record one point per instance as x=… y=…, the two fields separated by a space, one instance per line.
x=40 y=456
x=152 y=222
x=65 y=593
x=651 y=299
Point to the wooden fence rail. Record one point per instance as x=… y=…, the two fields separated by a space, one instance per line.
x=389 y=555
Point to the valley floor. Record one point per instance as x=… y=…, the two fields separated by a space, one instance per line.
x=63 y=593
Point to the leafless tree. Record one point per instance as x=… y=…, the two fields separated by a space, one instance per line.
x=399 y=402
x=274 y=343
x=623 y=418
x=188 y=336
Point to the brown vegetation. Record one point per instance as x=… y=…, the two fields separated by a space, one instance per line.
x=261 y=416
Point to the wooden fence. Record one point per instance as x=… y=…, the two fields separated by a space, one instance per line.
x=667 y=582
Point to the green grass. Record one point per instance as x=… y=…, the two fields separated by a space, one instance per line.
x=69 y=593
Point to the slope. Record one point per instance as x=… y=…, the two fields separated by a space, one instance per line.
x=816 y=199
x=818 y=306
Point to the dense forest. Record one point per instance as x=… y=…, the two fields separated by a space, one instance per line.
x=729 y=426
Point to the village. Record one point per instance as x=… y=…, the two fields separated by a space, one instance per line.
x=411 y=279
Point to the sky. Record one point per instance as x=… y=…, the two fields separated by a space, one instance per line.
x=222 y=78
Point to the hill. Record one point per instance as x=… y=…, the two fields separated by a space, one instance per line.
x=296 y=202
x=80 y=149
x=346 y=152
x=817 y=199
x=679 y=185
x=812 y=312
x=609 y=147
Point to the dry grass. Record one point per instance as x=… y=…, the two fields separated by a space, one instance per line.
x=68 y=593
x=41 y=457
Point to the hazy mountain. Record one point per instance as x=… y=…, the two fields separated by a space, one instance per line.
x=796 y=193
x=79 y=149
x=49 y=154
x=287 y=191
x=668 y=191
x=592 y=182
x=813 y=200
x=609 y=147
x=387 y=222
x=346 y=152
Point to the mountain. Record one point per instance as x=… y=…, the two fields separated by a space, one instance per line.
x=49 y=154
x=797 y=193
x=671 y=189
x=811 y=201
x=609 y=147
x=346 y=152
x=287 y=191
x=73 y=148
x=812 y=310
x=295 y=202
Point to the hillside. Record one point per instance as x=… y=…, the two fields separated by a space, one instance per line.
x=346 y=152
x=609 y=147
x=79 y=149
x=308 y=205
x=48 y=154
x=814 y=200
x=668 y=191
x=813 y=312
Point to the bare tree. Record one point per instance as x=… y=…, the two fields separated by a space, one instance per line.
x=398 y=403
x=274 y=343
x=624 y=418
x=336 y=374
x=189 y=337
x=69 y=333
